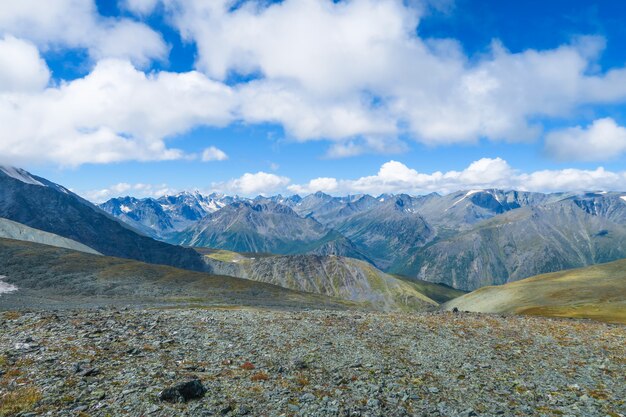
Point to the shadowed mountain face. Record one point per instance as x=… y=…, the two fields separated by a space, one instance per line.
x=49 y=277
x=597 y=292
x=40 y=204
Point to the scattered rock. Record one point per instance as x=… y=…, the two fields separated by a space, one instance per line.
x=183 y=392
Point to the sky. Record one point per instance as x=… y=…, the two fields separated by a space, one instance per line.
x=152 y=97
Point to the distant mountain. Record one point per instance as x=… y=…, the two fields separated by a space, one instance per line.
x=50 y=277
x=463 y=209
x=41 y=204
x=521 y=243
x=17 y=231
x=597 y=292
x=335 y=276
x=264 y=227
x=165 y=215
x=388 y=232
x=465 y=239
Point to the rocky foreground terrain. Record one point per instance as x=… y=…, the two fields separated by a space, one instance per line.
x=113 y=362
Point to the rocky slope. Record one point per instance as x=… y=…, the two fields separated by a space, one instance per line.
x=267 y=363
x=43 y=205
x=50 y=277
x=340 y=277
x=597 y=292
x=17 y=231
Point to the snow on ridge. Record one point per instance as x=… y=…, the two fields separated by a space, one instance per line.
x=623 y=197
x=6 y=288
x=469 y=193
x=20 y=175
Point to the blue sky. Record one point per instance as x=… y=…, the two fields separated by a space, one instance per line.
x=124 y=97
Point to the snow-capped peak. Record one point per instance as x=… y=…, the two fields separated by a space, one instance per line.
x=21 y=175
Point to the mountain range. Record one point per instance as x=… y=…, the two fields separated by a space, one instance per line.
x=390 y=252
x=465 y=239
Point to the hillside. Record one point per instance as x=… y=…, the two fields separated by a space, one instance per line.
x=17 y=231
x=335 y=276
x=597 y=292
x=43 y=205
x=50 y=277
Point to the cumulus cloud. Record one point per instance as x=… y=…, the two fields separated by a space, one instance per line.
x=116 y=113
x=77 y=24
x=354 y=73
x=396 y=177
x=21 y=67
x=213 y=154
x=141 y=7
x=253 y=184
x=124 y=189
x=357 y=69
x=603 y=139
x=328 y=185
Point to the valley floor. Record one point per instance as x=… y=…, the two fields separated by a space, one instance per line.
x=114 y=362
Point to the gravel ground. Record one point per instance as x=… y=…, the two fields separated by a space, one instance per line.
x=116 y=362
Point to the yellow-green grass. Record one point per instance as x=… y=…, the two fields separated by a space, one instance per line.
x=52 y=272
x=595 y=292
x=19 y=400
x=438 y=292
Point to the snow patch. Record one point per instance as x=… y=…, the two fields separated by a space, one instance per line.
x=125 y=209
x=6 y=288
x=469 y=193
x=21 y=175
x=623 y=197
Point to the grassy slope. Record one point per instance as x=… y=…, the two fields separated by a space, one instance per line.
x=50 y=276
x=333 y=276
x=595 y=292
x=441 y=293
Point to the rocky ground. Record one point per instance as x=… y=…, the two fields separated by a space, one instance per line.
x=116 y=362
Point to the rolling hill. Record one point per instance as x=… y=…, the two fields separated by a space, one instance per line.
x=57 y=278
x=335 y=276
x=597 y=292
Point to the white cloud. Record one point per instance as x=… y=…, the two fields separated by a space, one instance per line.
x=213 y=154
x=116 y=113
x=124 y=189
x=601 y=140
x=141 y=7
x=357 y=69
x=396 y=177
x=327 y=185
x=253 y=184
x=21 y=67
x=77 y=24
